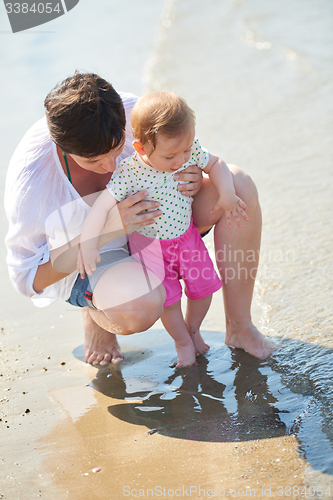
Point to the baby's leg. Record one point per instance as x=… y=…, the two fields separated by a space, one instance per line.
x=174 y=323
x=195 y=313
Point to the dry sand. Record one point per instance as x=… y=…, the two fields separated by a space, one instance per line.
x=62 y=418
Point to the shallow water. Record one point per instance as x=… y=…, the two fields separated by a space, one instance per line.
x=230 y=396
x=259 y=76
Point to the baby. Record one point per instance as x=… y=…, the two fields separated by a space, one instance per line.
x=164 y=131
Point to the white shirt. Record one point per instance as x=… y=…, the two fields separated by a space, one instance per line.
x=39 y=200
x=133 y=175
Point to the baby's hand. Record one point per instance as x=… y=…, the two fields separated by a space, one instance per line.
x=232 y=206
x=79 y=263
x=86 y=260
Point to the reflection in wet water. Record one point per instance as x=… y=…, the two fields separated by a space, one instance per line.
x=229 y=396
x=199 y=403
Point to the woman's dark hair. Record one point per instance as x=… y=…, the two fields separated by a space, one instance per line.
x=85 y=115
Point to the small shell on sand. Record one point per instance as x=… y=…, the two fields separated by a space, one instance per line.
x=152 y=431
x=97 y=469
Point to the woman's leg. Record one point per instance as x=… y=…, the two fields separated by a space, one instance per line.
x=237 y=256
x=126 y=303
x=100 y=346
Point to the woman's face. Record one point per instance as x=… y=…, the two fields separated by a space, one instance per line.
x=101 y=164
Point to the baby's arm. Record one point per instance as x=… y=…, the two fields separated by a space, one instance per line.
x=91 y=230
x=221 y=177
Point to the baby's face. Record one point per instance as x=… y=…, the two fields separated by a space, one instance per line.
x=170 y=154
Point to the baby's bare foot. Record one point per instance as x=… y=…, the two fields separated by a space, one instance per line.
x=200 y=345
x=185 y=353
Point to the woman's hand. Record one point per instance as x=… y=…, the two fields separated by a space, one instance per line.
x=133 y=214
x=192 y=175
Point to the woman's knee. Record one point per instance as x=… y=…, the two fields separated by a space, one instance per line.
x=245 y=187
x=139 y=314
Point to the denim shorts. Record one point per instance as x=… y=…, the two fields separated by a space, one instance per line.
x=82 y=291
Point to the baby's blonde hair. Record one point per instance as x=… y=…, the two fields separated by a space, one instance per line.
x=161 y=112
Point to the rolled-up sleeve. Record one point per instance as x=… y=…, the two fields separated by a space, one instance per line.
x=26 y=250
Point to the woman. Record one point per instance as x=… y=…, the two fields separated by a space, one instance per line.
x=58 y=169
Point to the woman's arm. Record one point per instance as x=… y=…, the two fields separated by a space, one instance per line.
x=124 y=218
x=46 y=275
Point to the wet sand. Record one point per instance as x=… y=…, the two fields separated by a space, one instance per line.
x=227 y=426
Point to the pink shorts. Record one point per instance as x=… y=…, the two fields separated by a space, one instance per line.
x=185 y=257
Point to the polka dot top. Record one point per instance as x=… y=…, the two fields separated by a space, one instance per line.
x=133 y=175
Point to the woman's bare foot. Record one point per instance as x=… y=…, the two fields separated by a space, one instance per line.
x=200 y=345
x=100 y=346
x=186 y=353
x=251 y=340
